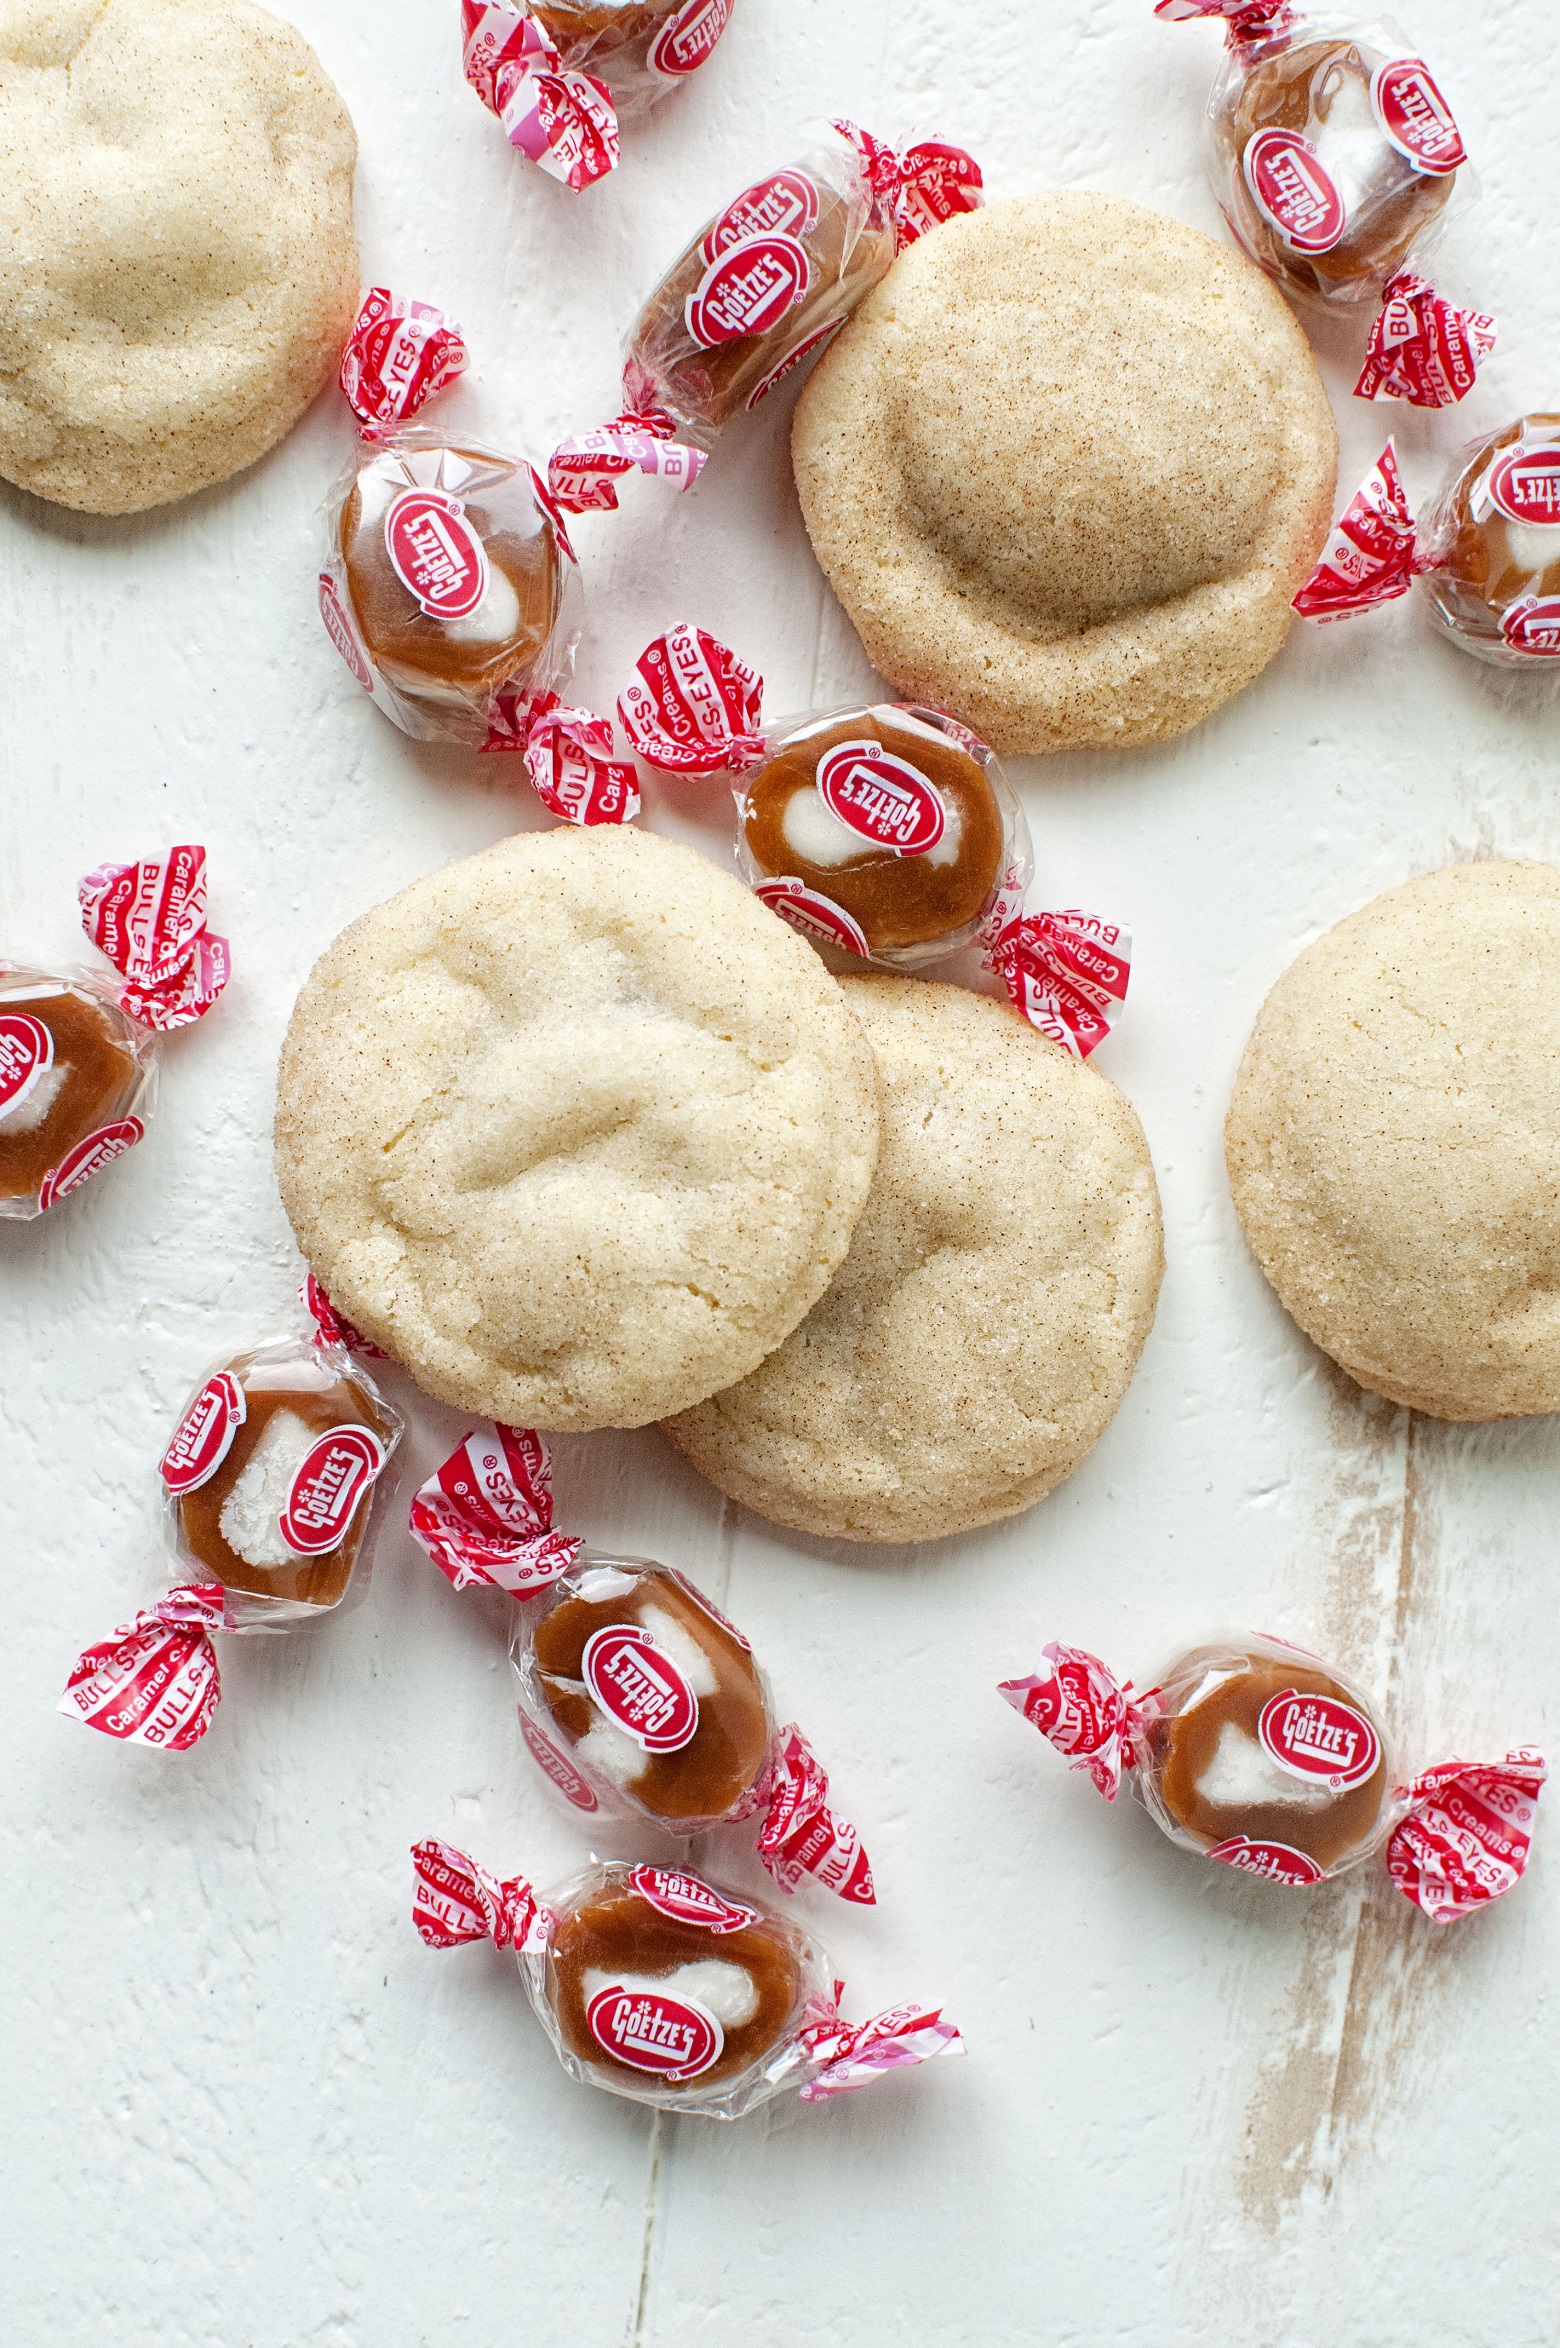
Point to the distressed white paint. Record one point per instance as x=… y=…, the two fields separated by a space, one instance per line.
x=250 y=2110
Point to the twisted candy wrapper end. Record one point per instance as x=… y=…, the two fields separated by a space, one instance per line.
x=1246 y=22
x=920 y=187
x=149 y=918
x=692 y=707
x=1422 y=348
x=1468 y=1833
x=1085 y=1712
x=568 y=756
x=1371 y=556
x=455 y=1901
x=563 y=120
x=1067 y=973
x=800 y=1834
x=486 y=1516
x=399 y=353
x=583 y=472
x=154 y=1681
x=851 y=2057
x=333 y=1328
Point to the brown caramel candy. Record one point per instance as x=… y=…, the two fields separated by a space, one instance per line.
x=896 y=899
x=93 y=1081
x=610 y=42
x=1322 y=90
x=749 y=1979
x=230 y=1526
x=1497 y=533
x=1217 y=1781
x=706 y=1777
x=441 y=661
x=794 y=255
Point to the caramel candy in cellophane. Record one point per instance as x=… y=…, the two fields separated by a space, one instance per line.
x=1495 y=535
x=75 y=1071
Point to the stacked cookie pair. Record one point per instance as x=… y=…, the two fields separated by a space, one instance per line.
x=584 y=1137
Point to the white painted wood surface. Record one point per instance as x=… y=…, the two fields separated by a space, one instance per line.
x=250 y=2110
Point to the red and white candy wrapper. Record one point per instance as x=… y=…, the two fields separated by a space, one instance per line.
x=1067 y=973
x=800 y=1834
x=920 y=187
x=563 y=120
x=1422 y=348
x=1372 y=556
x=399 y=353
x=583 y=472
x=486 y=1516
x=1251 y=1752
x=1337 y=163
x=694 y=707
x=333 y=1328
x=568 y=756
x=155 y=1681
x=1467 y=1834
x=283 y=1446
x=628 y=1968
x=149 y=918
x=1084 y=1712
x=852 y=2056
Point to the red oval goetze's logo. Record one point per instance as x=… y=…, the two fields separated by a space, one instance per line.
x=204 y=1436
x=557 y=1766
x=1415 y=117
x=342 y=633
x=785 y=204
x=687 y=38
x=882 y=798
x=1319 y=1738
x=1274 y=1862
x=794 y=358
x=815 y=916
x=1294 y=190
x=640 y=1688
x=330 y=1480
x=89 y=1157
x=26 y=1053
x=650 y=2031
x=1524 y=485
x=688 y=1899
x=1534 y=627
x=437 y=555
x=748 y=290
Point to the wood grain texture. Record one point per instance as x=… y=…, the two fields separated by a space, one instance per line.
x=251 y=2110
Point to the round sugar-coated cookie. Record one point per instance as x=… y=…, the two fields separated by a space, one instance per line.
x=180 y=268
x=980 y=1334
x=1065 y=469
x=1394 y=1142
x=575 y=1128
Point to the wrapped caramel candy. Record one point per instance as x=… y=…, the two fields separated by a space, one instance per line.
x=78 y=1054
x=1336 y=161
x=270 y=1482
x=1486 y=557
x=562 y=75
x=766 y=283
x=450 y=587
x=659 y=1986
x=638 y=1699
x=1254 y=1753
x=889 y=831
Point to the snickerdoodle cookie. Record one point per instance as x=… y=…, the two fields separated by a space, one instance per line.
x=1394 y=1142
x=575 y=1128
x=980 y=1334
x=177 y=261
x=1065 y=469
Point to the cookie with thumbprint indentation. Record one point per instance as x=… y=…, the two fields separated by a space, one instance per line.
x=1065 y=469
x=576 y=1129
x=1394 y=1142
x=180 y=268
x=980 y=1334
